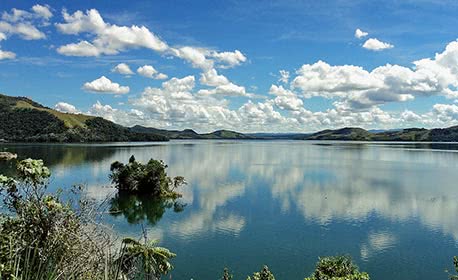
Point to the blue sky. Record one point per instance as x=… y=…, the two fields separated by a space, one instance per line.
x=216 y=64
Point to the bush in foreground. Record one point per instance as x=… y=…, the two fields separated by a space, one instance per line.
x=44 y=237
x=337 y=268
x=264 y=274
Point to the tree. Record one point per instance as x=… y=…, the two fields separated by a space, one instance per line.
x=337 y=268
x=264 y=274
x=45 y=237
x=226 y=274
x=151 y=260
x=151 y=178
x=455 y=264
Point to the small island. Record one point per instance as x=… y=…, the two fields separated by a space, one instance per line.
x=145 y=179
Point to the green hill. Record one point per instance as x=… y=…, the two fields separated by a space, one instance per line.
x=24 y=120
x=347 y=133
x=191 y=134
x=449 y=134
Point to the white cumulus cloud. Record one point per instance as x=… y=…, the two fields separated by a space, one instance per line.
x=360 y=34
x=66 y=108
x=123 y=69
x=374 y=44
x=105 y=85
x=108 y=38
x=7 y=55
x=42 y=11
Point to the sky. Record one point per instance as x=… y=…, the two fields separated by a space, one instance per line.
x=249 y=66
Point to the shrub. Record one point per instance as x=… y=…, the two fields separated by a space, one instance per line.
x=146 y=260
x=226 y=275
x=455 y=264
x=337 y=268
x=44 y=237
x=151 y=178
x=264 y=274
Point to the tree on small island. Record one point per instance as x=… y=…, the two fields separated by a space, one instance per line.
x=150 y=179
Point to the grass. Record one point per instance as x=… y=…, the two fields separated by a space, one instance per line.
x=70 y=120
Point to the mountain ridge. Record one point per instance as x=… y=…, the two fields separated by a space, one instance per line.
x=24 y=120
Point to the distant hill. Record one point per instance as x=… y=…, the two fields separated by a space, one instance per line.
x=24 y=120
x=410 y=134
x=278 y=136
x=191 y=134
x=347 y=133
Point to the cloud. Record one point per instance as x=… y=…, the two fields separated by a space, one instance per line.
x=212 y=78
x=284 y=76
x=22 y=23
x=260 y=114
x=24 y=30
x=374 y=44
x=161 y=76
x=229 y=59
x=354 y=87
x=149 y=71
x=105 y=85
x=196 y=56
x=83 y=48
x=7 y=55
x=38 y=12
x=15 y=15
x=360 y=34
x=206 y=59
x=123 y=69
x=175 y=104
x=42 y=11
x=226 y=90
x=286 y=99
x=108 y=38
x=66 y=108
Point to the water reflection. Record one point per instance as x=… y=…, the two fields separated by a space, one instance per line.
x=288 y=201
x=139 y=208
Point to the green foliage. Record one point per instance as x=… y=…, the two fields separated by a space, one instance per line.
x=145 y=259
x=44 y=237
x=337 y=268
x=48 y=234
x=455 y=264
x=264 y=274
x=138 y=208
x=151 y=178
x=101 y=130
x=23 y=120
x=226 y=274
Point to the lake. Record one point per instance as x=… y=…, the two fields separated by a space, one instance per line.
x=392 y=207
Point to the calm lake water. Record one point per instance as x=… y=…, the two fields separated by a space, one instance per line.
x=392 y=207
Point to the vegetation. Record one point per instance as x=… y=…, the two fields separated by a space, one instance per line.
x=23 y=120
x=455 y=264
x=147 y=259
x=226 y=275
x=264 y=274
x=43 y=237
x=191 y=134
x=337 y=268
x=139 y=208
x=151 y=178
